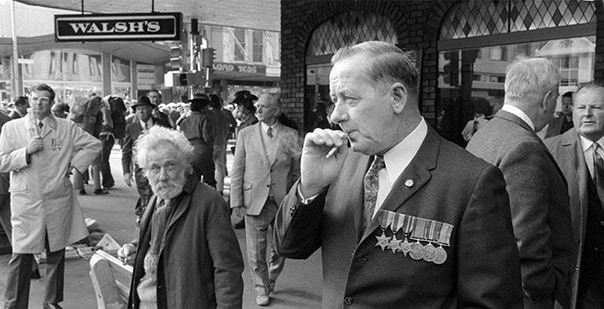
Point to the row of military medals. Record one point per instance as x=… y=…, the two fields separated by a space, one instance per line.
x=415 y=229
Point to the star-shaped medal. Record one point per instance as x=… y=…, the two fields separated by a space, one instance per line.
x=394 y=244
x=382 y=241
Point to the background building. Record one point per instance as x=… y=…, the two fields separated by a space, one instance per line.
x=460 y=47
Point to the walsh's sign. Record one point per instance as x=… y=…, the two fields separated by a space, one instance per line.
x=118 y=27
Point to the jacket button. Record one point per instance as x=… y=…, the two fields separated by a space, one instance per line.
x=268 y=186
x=348 y=301
x=601 y=223
x=361 y=259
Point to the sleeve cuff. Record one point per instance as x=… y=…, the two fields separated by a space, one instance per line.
x=303 y=200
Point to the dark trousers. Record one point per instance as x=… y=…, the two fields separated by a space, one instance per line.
x=16 y=295
x=203 y=165
x=108 y=142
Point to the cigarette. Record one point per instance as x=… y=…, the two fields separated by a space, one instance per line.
x=334 y=149
x=331 y=152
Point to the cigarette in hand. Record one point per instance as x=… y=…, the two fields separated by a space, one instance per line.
x=334 y=149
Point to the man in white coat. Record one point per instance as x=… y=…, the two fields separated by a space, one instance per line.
x=41 y=151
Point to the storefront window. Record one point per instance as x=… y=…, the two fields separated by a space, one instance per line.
x=479 y=39
x=461 y=84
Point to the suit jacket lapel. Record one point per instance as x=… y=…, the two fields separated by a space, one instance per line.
x=414 y=177
x=572 y=142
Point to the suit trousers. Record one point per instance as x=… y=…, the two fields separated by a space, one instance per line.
x=108 y=141
x=18 y=280
x=5 y=215
x=257 y=236
x=219 y=165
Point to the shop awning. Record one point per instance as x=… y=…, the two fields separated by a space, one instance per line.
x=141 y=52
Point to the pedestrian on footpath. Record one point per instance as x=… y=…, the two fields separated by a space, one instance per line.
x=41 y=151
x=143 y=110
x=537 y=188
x=266 y=164
x=186 y=254
x=405 y=219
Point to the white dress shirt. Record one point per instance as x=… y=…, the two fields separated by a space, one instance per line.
x=397 y=159
x=518 y=112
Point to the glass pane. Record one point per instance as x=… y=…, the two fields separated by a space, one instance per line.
x=478 y=18
x=467 y=84
x=317 y=101
x=348 y=29
x=239 y=46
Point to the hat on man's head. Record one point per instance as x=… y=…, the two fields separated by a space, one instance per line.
x=144 y=100
x=243 y=97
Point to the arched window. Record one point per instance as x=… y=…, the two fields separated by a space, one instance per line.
x=479 y=39
x=341 y=30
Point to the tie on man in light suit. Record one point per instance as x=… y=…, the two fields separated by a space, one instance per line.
x=266 y=164
x=574 y=152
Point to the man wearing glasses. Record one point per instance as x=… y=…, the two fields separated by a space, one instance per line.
x=41 y=151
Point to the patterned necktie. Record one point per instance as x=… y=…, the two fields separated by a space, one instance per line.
x=371 y=184
x=598 y=171
x=269 y=132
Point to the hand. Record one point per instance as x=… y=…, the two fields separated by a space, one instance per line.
x=36 y=144
x=128 y=179
x=239 y=211
x=317 y=171
x=126 y=254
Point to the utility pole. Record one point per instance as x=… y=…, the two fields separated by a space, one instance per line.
x=17 y=89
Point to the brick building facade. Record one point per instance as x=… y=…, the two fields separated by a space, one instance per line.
x=417 y=25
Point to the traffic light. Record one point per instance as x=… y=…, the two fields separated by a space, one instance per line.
x=177 y=57
x=451 y=69
x=207 y=57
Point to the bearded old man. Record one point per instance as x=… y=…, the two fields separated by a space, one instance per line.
x=187 y=254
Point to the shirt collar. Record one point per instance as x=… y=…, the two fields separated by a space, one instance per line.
x=149 y=123
x=518 y=112
x=399 y=156
x=265 y=127
x=586 y=143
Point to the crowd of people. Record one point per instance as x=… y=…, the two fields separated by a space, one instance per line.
x=403 y=217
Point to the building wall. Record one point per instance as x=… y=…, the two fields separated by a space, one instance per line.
x=417 y=23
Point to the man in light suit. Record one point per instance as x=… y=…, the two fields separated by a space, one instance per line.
x=41 y=151
x=574 y=152
x=436 y=234
x=266 y=163
x=538 y=195
x=143 y=110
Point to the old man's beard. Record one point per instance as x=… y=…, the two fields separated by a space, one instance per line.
x=169 y=189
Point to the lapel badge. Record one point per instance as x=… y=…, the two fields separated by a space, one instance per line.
x=409 y=183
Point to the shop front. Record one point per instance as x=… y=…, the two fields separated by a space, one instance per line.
x=461 y=49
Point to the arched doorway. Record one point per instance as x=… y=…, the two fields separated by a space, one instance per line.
x=345 y=29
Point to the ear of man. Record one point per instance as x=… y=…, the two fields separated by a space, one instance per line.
x=399 y=96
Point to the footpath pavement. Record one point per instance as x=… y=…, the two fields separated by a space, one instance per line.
x=299 y=286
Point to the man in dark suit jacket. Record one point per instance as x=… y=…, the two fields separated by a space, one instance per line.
x=143 y=109
x=21 y=106
x=537 y=190
x=436 y=234
x=574 y=152
x=564 y=121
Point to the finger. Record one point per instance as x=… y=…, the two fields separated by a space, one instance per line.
x=329 y=138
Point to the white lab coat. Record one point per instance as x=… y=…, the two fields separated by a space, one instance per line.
x=42 y=198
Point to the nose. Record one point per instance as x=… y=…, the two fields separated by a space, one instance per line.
x=163 y=174
x=339 y=114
